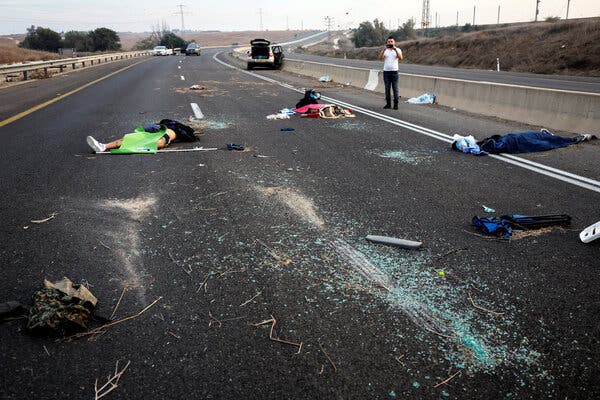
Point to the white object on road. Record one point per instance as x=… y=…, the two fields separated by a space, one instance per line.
x=278 y=116
x=427 y=98
x=175 y=150
x=590 y=233
x=182 y=78
x=405 y=244
x=197 y=111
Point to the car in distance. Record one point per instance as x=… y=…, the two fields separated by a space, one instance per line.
x=162 y=51
x=192 y=49
x=262 y=53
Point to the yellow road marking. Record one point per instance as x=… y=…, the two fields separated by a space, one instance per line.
x=62 y=96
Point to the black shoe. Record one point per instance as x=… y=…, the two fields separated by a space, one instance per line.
x=387 y=107
x=395 y=106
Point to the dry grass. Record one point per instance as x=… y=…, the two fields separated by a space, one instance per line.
x=566 y=47
x=11 y=54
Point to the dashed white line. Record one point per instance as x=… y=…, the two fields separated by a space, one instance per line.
x=197 y=112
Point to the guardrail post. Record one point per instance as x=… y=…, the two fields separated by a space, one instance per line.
x=73 y=65
x=61 y=68
x=83 y=63
x=24 y=75
x=92 y=61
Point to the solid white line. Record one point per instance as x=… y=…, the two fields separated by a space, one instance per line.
x=197 y=111
x=182 y=78
x=577 y=180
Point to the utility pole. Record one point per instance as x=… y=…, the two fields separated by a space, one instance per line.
x=287 y=23
x=301 y=24
x=568 y=4
x=537 y=9
x=498 y=23
x=474 y=8
x=260 y=24
x=457 y=18
x=181 y=12
x=328 y=22
x=425 y=16
x=436 y=20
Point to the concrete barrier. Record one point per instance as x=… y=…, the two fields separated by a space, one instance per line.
x=554 y=109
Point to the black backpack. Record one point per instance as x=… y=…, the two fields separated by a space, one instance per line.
x=184 y=133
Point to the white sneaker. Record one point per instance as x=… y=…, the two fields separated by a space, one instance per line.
x=95 y=145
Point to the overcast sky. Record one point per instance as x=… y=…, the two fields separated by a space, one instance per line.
x=228 y=15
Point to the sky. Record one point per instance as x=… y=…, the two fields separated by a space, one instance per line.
x=236 y=15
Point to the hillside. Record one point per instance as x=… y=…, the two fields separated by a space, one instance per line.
x=564 y=47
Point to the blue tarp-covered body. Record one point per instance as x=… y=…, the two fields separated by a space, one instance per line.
x=525 y=142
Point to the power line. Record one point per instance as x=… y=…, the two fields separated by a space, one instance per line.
x=180 y=12
x=329 y=22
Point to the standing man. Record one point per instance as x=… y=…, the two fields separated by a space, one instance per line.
x=390 y=56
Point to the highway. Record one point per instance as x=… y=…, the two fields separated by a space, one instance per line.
x=255 y=263
x=560 y=82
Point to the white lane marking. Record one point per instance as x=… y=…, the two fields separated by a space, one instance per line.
x=373 y=80
x=577 y=180
x=197 y=111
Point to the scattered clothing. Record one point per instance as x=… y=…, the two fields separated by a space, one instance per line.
x=277 y=116
x=528 y=142
x=493 y=226
x=505 y=224
x=325 y=78
x=427 y=98
x=236 y=147
x=287 y=111
x=335 y=111
x=311 y=96
x=466 y=144
x=307 y=108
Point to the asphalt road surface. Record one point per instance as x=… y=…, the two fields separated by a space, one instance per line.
x=224 y=244
x=561 y=82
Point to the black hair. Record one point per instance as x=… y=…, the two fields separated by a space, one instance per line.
x=391 y=37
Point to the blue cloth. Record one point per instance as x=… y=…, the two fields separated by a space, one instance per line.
x=493 y=226
x=390 y=80
x=467 y=144
x=524 y=142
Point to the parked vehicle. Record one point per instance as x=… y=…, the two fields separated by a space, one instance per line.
x=262 y=53
x=162 y=51
x=192 y=49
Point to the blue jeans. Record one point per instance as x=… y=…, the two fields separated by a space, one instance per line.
x=390 y=79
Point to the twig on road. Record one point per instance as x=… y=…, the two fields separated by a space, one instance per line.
x=483 y=309
x=111 y=384
x=103 y=245
x=118 y=302
x=447 y=380
x=41 y=221
x=204 y=282
x=213 y=320
x=273 y=322
x=249 y=300
x=328 y=358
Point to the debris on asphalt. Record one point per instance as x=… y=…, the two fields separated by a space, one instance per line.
x=426 y=98
x=41 y=221
x=505 y=224
x=467 y=144
x=488 y=210
x=287 y=129
x=235 y=147
x=325 y=78
x=61 y=308
x=273 y=322
x=197 y=87
x=483 y=309
x=311 y=96
x=403 y=243
x=335 y=111
x=328 y=358
x=111 y=384
x=272 y=117
x=288 y=111
x=250 y=299
x=590 y=233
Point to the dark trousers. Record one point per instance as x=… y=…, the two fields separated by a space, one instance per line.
x=390 y=79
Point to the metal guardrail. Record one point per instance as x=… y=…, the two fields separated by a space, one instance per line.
x=61 y=64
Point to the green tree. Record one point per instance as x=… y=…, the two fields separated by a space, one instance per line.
x=145 y=44
x=370 y=34
x=80 y=41
x=405 y=32
x=41 y=39
x=104 y=39
x=171 y=40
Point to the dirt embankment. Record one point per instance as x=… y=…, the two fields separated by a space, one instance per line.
x=566 y=47
x=12 y=54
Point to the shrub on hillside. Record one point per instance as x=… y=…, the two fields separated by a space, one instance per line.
x=41 y=39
